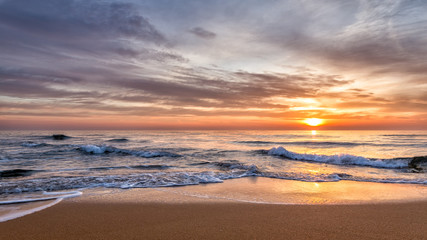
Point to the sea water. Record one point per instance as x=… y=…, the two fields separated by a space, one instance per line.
x=32 y=162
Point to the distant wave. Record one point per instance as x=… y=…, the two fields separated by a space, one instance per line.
x=341 y=159
x=404 y=135
x=329 y=143
x=303 y=143
x=94 y=149
x=34 y=145
x=106 y=168
x=4 y=158
x=146 y=167
x=99 y=149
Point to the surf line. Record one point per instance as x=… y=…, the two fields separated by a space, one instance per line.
x=21 y=213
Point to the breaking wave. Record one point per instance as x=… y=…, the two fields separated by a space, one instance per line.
x=95 y=149
x=341 y=159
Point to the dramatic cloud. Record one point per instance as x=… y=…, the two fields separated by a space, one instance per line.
x=62 y=19
x=193 y=62
x=382 y=37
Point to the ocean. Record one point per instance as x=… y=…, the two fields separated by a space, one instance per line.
x=37 y=161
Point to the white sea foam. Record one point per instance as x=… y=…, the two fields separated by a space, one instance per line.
x=169 y=179
x=340 y=159
x=56 y=196
x=17 y=213
x=139 y=180
x=94 y=149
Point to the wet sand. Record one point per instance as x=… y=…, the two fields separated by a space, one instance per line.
x=164 y=214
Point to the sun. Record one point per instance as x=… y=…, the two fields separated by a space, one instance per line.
x=313 y=121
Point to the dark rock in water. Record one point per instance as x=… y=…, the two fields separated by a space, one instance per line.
x=15 y=173
x=344 y=175
x=234 y=164
x=59 y=137
x=156 y=166
x=199 y=163
x=118 y=140
x=261 y=151
x=418 y=163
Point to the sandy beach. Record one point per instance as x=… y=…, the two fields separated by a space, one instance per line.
x=220 y=221
x=167 y=214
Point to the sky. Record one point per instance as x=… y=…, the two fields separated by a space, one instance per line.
x=213 y=64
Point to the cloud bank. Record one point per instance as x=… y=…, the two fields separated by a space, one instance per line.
x=270 y=63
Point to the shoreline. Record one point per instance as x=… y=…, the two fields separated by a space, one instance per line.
x=179 y=213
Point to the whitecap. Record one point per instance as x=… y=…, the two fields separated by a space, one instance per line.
x=340 y=159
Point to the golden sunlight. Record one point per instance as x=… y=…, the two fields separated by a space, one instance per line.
x=313 y=121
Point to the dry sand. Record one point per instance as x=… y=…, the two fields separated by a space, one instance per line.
x=153 y=214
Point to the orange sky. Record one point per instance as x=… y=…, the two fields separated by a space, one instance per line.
x=123 y=64
x=201 y=123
